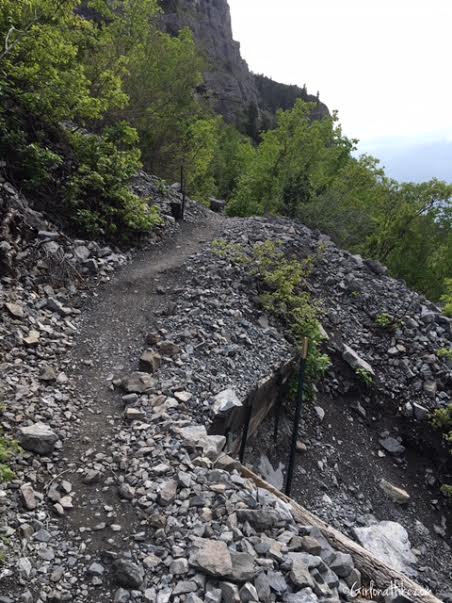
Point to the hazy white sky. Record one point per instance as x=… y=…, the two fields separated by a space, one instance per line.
x=385 y=65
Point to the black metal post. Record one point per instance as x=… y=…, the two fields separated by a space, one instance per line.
x=277 y=415
x=298 y=413
x=182 y=185
x=249 y=413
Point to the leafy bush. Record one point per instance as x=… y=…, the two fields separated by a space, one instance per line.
x=444 y=353
x=8 y=449
x=364 y=376
x=447 y=297
x=98 y=193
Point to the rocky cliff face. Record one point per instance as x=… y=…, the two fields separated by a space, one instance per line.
x=234 y=92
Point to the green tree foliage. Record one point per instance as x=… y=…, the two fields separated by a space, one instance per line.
x=103 y=67
x=447 y=297
x=49 y=93
x=306 y=169
x=234 y=152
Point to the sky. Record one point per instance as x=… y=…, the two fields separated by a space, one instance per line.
x=385 y=65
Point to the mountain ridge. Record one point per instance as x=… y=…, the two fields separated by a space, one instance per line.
x=231 y=88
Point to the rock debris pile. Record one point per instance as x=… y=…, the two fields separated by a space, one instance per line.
x=167 y=517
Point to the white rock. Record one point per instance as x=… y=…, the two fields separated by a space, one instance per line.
x=389 y=542
x=225 y=400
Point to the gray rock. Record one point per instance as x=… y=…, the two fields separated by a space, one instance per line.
x=212 y=557
x=392 y=446
x=352 y=359
x=179 y=567
x=319 y=412
x=96 y=569
x=277 y=582
x=37 y=438
x=248 y=593
x=168 y=491
x=217 y=205
x=225 y=400
x=127 y=574
x=420 y=412
x=184 y=587
x=230 y=592
x=28 y=497
x=82 y=253
x=168 y=348
x=300 y=575
x=138 y=383
x=150 y=362
x=310 y=545
x=342 y=564
x=243 y=567
x=262 y=584
x=396 y=494
x=304 y=596
x=121 y=596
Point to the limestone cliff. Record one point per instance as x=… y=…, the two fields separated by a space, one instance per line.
x=232 y=89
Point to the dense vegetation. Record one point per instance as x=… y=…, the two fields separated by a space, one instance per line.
x=91 y=91
x=306 y=169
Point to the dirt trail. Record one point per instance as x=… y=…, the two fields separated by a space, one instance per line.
x=109 y=342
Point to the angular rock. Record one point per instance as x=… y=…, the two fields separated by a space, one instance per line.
x=248 y=593
x=342 y=564
x=168 y=348
x=243 y=567
x=211 y=557
x=225 y=400
x=388 y=541
x=28 y=497
x=168 y=491
x=304 y=596
x=392 y=446
x=15 y=310
x=37 y=438
x=127 y=574
x=299 y=574
x=138 y=383
x=352 y=359
x=150 y=362
x=230 y=592
x=396 y=494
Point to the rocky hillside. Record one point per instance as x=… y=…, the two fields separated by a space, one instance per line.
x=233 y=90
x=112 y=383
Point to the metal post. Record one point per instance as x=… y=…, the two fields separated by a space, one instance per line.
x=182 y=185
x=245 y=433
x=277 y=415
x=298 y=411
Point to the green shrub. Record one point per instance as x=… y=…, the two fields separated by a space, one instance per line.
x=364 y=376
x=384 y=320
x=447 y=298
x=98 y=193
x=444 y=353
x=8 y=449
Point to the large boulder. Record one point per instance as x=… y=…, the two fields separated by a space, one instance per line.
x=389 y=542
x=37 y=438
